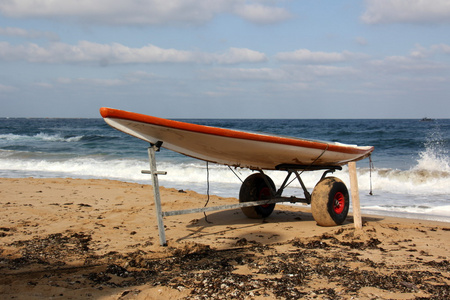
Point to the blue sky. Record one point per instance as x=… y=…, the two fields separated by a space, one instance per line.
x=226 y=58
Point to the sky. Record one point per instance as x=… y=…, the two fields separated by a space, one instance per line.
x=296 y=59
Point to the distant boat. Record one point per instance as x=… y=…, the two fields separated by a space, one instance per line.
x=426 y=119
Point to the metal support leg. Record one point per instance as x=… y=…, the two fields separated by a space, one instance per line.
x=307 y=194
x=152 y=158
x=284 y=184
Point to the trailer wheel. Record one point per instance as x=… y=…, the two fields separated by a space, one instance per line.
x=255 y=188
x=330 y=202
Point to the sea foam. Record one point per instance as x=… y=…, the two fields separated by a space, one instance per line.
x=39 y=137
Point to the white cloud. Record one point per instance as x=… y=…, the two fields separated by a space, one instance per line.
x=262 y=14
x=307 y=56
x=245 y=74
x=44 y=85
x=411 y=65
x=406 y=11
x=138 y=76
x=239 y=55
x=443 y=48
x=92 y=81
x=421 y=52
x=144 y=12
x=305 y=73
x=322 y=71
x=105 y=54
x=107 y=11
x=28 y=34
x=7 y=88
x=361 y=41
x=131 y=78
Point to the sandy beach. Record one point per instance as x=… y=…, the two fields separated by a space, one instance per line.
x=98 y=239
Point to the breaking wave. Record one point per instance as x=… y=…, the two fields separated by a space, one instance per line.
x=40 y=137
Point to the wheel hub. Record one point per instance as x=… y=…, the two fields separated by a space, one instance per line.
x=339 y=203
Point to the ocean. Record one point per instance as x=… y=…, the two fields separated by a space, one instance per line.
x=410 y=175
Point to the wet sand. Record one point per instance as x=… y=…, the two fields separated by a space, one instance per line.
x=98 y=239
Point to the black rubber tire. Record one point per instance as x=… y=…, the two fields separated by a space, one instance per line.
x=255 y=188
x=330 y=202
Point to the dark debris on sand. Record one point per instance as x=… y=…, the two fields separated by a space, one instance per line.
x=52 y=250
x=317 y=268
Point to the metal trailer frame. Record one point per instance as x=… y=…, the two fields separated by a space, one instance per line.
x=275 y=194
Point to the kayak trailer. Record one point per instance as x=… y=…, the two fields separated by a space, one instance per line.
x=330 y=199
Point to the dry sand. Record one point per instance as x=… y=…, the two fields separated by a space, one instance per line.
x=98 y=239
